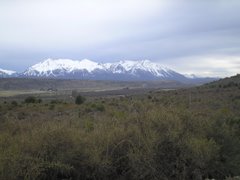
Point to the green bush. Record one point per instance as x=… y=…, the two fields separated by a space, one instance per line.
x=14 y=103
x=98 y=107
x=80 y=99
x=30 y=99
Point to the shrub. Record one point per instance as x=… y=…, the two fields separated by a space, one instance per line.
x=30 y=99
x=51 y=107
x=56 y=101
x=79 y=99
x=98 y=107
x=149 y=97
x=14 y=103
x=39 y=101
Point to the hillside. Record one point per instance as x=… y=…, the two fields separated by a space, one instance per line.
x=181 y=134
x=226 y=82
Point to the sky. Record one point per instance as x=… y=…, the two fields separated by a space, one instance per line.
x=200 y=37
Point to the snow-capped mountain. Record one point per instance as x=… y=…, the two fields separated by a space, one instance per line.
x=87 y=69
x=61 y=67
x=133 y=66
x=123 y=71
x=7 y=73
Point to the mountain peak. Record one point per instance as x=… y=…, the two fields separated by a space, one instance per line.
x=48 y=66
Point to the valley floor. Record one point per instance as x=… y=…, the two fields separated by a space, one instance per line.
x=180 y=134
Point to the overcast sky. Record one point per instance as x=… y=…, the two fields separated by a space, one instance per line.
x=190 y=36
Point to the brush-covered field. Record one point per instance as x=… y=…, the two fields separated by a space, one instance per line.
x=179 y=134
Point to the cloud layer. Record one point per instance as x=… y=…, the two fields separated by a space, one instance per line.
x=201 y=36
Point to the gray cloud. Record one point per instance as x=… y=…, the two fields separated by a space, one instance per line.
x=186 y=35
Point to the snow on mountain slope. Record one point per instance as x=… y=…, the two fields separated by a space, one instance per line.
x=50 y=66
x=87 y=69
x=6 y=73
x=134 y=66
x=125 y=70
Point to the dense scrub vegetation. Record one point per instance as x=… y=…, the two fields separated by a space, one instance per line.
x=184 y=134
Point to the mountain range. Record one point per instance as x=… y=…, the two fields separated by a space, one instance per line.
x=126 y=70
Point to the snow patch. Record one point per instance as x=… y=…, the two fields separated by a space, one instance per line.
x=8 y=72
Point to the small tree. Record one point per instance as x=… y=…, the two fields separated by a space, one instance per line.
x=79 y=99
x=30 y=99
x=39 y=100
